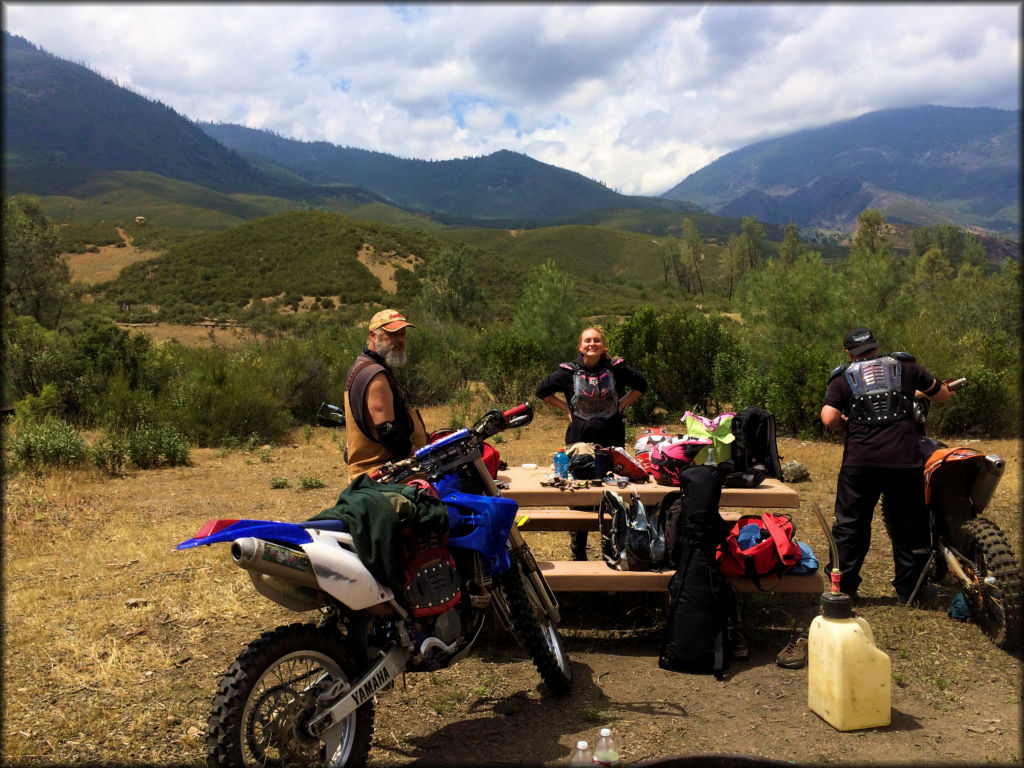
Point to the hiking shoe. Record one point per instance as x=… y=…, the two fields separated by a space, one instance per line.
x=794 y=655
x=738 y=645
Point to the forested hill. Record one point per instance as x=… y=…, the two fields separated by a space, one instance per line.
x=920 y=166
x=503 y=185
x=62 y=120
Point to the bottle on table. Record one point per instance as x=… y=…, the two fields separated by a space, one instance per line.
x=581 y=755
x=562 y=464
x=605 y=752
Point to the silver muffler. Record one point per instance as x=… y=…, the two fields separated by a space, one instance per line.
x=275 y=560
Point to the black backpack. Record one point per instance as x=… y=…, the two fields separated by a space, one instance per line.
x=701 y=601
x=755 y=454
x=633 y=537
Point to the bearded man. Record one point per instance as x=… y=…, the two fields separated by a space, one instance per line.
x=379 y=424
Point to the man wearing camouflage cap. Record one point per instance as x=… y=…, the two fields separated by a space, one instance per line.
x=379 y=424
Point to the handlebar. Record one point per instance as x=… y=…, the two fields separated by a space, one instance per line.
x=954 y=384
x=450 y=449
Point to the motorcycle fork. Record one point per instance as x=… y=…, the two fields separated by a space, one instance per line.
x=521 y=553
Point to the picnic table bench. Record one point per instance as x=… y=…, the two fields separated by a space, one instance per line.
x=546 y=508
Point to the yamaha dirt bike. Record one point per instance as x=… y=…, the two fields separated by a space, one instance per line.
x=304 y=693
x=959 y=483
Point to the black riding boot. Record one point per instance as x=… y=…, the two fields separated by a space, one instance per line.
x=578 y=544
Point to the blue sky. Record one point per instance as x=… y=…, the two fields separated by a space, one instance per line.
x=637 y=96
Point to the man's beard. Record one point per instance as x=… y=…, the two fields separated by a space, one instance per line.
x=393 y=357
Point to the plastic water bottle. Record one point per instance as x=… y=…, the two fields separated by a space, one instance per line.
x=561 y=464
x=582 y=754
x=605 y=752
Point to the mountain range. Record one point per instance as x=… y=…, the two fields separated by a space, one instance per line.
x=70 y=132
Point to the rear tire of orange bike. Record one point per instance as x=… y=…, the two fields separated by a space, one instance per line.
x=997 y=609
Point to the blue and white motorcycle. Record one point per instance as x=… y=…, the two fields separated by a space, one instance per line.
x=304 y=693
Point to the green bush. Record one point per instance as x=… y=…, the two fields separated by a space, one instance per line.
x=152 y=445
x=49 y=443
x=110 y=454
x=513 y=366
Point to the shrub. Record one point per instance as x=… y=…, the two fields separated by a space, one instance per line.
x=151 y=445
x=513 y=366
x=50 y=443
x=110 y=454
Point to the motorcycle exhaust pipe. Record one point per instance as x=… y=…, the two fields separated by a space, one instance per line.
x=274 y=560
x=989 y=474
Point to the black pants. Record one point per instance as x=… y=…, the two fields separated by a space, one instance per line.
x=578 y=539
x=857 y=492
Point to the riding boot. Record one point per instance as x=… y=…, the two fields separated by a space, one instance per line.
x=578 y=544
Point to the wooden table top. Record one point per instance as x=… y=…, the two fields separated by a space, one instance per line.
x=524 y=486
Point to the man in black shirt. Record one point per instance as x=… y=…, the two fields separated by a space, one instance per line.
x=871 y=399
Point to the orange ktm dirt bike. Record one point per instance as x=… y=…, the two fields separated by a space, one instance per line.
x=972 y=550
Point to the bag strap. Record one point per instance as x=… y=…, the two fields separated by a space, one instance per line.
x=788 y=550
x=608 y=536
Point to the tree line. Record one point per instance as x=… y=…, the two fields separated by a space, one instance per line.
x=68 y=360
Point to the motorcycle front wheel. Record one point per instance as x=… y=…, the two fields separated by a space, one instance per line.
x=996 y=601
x=536 y=631
x=268 y=695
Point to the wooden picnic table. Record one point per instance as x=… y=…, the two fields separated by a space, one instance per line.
x=547 y=508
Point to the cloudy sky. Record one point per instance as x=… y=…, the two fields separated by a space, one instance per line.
x=636 y=96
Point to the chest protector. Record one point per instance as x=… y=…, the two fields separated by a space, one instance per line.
x=594 y=395
x=878 y=397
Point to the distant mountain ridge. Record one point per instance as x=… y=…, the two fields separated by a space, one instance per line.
x=62 y=120
x=67 y=129
x=919 y=165
x=502 y=185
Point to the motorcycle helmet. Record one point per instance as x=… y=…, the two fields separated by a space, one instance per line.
x=646 y=440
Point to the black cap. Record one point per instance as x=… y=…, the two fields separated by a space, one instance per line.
x=858 y=340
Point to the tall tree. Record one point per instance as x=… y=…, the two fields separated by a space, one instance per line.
x=791 y=244
x=546 y=313
x=754 y=230
x=36 y=278
x=692 y=243
x=448 y=291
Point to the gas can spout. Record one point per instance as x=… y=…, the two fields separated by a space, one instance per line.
x=833 y=549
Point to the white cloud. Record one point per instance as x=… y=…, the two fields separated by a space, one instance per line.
x=638 y=96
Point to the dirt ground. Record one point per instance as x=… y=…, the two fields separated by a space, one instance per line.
x=114 y=641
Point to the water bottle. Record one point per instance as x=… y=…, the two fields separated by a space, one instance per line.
x=561 y=464
x=582 y=754
x=710 y=461
x=605 y=752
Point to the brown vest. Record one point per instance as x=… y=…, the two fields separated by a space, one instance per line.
x=365 y=453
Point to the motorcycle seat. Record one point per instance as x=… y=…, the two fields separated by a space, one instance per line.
x=338 y=526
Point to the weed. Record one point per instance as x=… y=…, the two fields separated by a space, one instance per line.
x=307 y=432
x=279 y=483
x=899 y=679
x=591 y=713
x=309 y=483
x=265 y=456
x=940 y=682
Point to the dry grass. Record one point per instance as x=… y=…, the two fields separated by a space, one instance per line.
x=114 y=641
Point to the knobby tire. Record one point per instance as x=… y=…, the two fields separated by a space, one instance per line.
x=537 y=632
x=271 y=734
x=998 y=611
